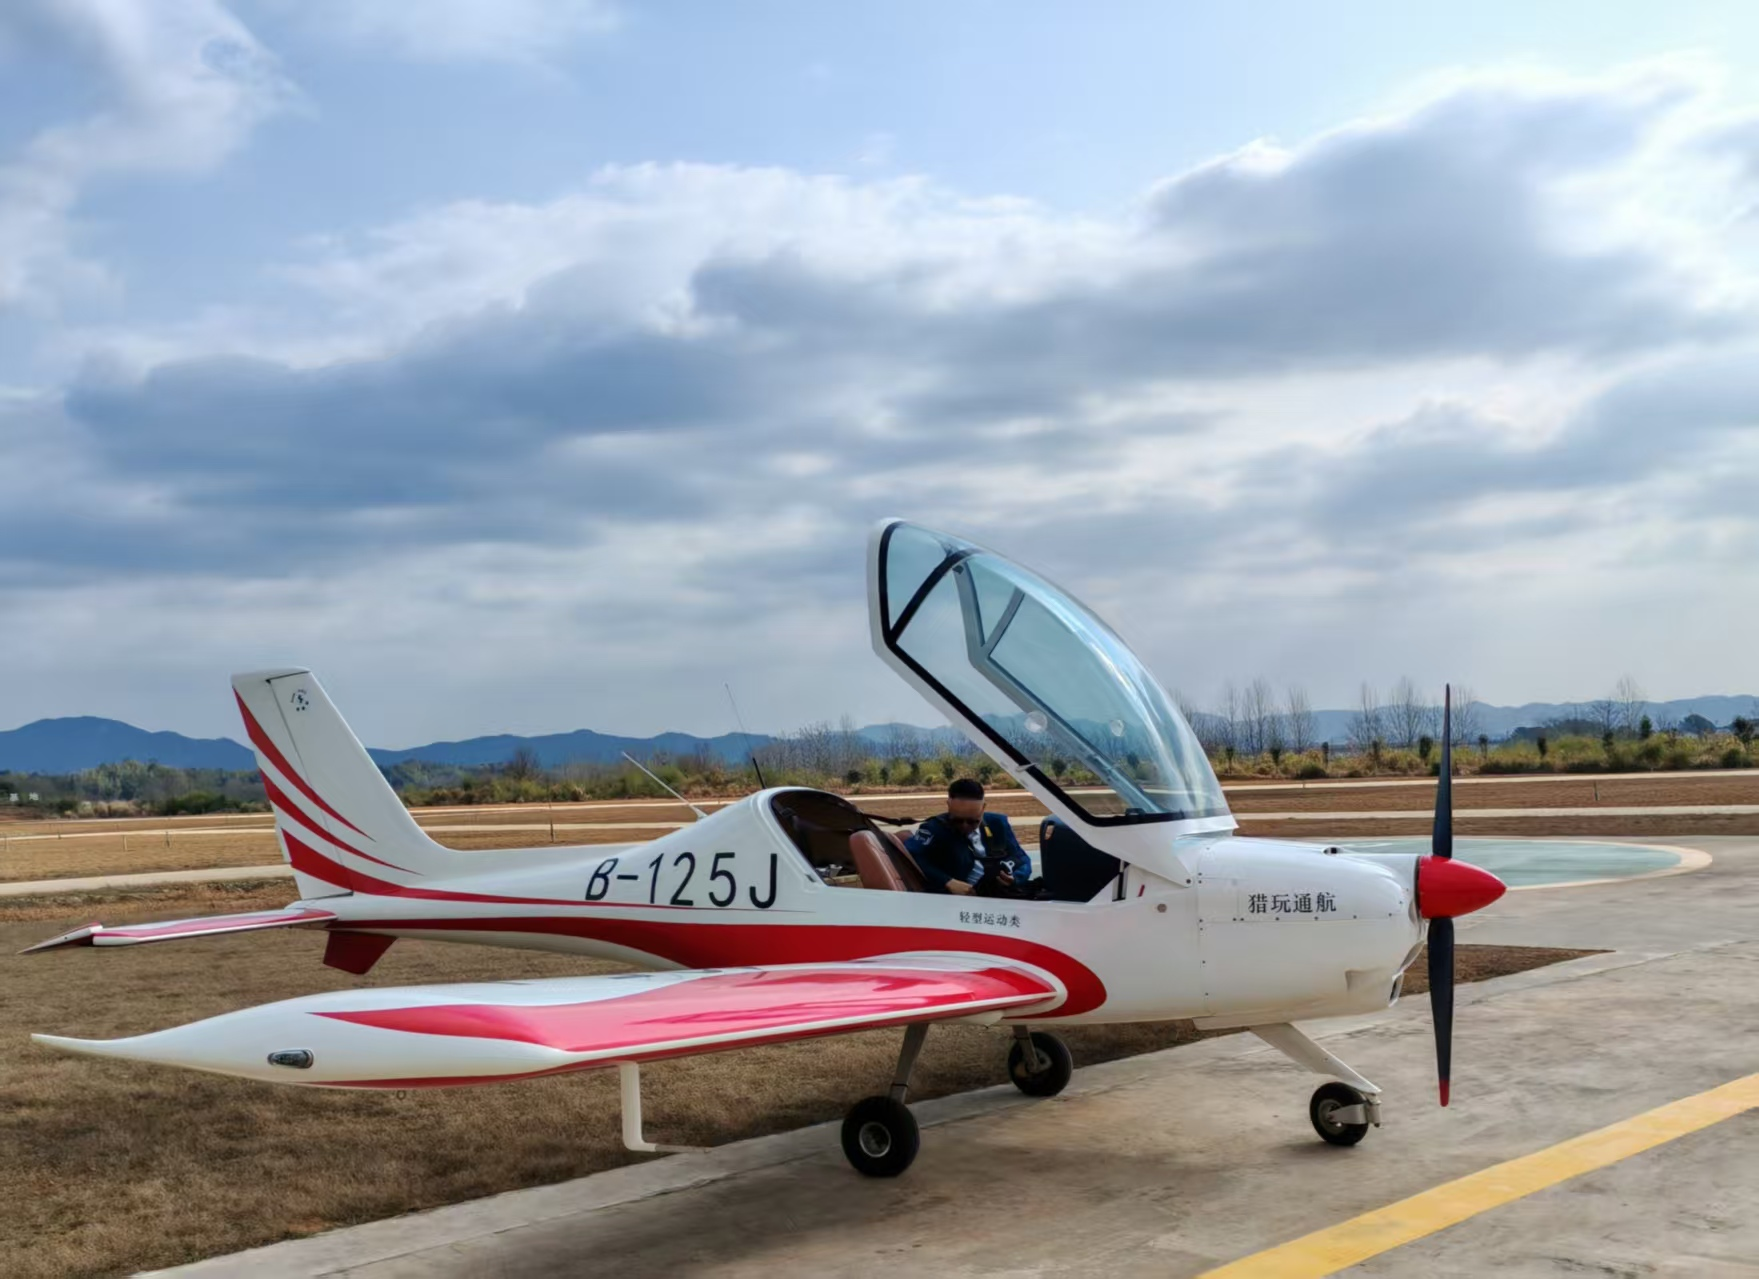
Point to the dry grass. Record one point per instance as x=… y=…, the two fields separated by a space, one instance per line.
x=107 y=1167
x=98 y=851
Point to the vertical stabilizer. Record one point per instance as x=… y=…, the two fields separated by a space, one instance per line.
x=341 y=826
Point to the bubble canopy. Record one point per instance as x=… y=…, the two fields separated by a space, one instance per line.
x=1033 y=673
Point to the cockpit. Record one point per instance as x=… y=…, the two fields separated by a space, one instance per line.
x=1035 y=677
x=847 y=848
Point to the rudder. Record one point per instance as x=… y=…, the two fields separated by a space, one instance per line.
x=341 y=826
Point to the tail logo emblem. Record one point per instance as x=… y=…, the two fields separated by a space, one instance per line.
x=300 y=700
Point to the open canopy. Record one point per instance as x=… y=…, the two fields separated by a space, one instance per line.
x=1036 y=679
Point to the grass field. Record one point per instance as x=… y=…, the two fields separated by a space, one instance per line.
x=107 y=1167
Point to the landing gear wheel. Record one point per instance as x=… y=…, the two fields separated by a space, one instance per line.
x=1055 y=1065
x=1328 y=1099
x=880 y=1137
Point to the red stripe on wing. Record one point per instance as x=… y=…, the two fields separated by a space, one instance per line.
x=789 y=1004
x=267 y=746
x=697 y=944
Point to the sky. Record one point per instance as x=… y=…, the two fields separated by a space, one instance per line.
x=529 y=365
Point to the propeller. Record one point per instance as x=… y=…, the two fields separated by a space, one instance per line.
x=1447 y=888
x=1441 y=929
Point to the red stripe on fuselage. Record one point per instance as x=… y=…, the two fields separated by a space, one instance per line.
x=267 y=746
x=285 y=807
x=721 y=1004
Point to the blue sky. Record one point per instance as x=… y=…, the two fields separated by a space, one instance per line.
x=526 y=366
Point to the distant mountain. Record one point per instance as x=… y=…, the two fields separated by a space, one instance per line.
x=583 y=746
x=73 y=744
x=86 y=741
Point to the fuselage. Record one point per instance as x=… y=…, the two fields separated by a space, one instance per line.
x=1266 y=930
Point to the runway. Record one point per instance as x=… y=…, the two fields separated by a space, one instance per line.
x=1198 y=1158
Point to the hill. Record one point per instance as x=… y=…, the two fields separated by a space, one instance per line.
x=71 y=745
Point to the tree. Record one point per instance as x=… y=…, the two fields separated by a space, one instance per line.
x=1365 y=724
x=1263 y=724
x=1411 y=714
x=1742 y=728
x=524 y=765
x=1645 y=729
x=1604 y=715
x=1697 y=725
x=1632 y=703
x=1298 y=719
x=1484 y=746
x=1466 y=714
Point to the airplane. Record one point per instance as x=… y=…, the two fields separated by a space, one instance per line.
x=791 y=914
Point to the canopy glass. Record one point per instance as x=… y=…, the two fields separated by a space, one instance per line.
x=1033 y=671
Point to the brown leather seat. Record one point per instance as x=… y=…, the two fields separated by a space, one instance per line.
x=906 y=865
x=885 y=863
x=876 y=869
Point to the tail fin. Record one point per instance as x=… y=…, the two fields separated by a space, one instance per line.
x=341 y=827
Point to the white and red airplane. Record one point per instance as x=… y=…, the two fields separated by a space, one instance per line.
x=760 y=933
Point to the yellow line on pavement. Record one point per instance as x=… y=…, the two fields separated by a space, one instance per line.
x=1328 y=1251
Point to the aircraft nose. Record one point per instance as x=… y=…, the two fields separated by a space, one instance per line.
x=1448 y=888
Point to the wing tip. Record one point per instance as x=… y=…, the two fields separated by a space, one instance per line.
x=78 y=937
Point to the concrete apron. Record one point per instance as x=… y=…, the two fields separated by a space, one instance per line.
x=1178 y=1161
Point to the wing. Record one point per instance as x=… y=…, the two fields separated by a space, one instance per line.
x=177 y=929
x=484 y=1032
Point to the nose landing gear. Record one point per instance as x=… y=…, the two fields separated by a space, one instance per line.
x=1341 y=1113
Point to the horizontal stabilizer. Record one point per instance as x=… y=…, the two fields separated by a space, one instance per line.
x=484 y=1032
x=178 y=929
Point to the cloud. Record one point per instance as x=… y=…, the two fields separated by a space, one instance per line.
x=181 y=84
x=1320 y=378
x=519 y=31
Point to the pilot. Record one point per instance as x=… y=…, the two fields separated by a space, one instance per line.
x=968 y=851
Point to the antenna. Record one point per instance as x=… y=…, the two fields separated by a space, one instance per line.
x=749 y=753
x=657 y=782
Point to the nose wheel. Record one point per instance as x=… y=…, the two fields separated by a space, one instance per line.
x=1339 y=1114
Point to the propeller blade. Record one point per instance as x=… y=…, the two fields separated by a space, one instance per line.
x=1441 y=997
x=1442 y=844
x=1441 y=930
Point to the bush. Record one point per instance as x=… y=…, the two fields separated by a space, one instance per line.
x=1735 y=757
x=1311 y=770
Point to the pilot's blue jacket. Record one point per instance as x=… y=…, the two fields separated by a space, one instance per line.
x=944 y=852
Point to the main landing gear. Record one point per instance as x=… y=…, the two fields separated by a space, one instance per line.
x=1341 y=1112
x=1039 y=1063
x=880 y=1136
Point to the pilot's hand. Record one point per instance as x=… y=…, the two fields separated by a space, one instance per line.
x=1006 y=875
x=959 y=887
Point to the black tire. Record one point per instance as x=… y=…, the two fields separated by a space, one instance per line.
x=1330 y=1097
x=880 y=1137
x=1053 y=1078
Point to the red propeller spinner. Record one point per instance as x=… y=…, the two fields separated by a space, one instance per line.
x=1447 y=889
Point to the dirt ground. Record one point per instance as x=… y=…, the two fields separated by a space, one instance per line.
x=107 y=1167
x=70 y=848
